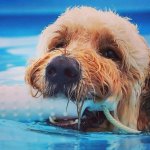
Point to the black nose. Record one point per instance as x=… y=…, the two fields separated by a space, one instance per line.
x=63 y=70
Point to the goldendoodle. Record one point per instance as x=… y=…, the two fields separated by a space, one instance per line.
x=94 y=55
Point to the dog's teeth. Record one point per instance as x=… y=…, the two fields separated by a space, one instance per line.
x=76 y=121
x=52 y=120
x=73 y=122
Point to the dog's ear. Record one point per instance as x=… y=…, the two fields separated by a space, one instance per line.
x=143 y=123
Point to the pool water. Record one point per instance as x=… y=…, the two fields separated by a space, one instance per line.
x=18 y=39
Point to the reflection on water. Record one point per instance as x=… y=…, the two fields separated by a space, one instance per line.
x=14 y=54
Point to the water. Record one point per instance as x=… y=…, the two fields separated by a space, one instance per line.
x=15 y=135
x=18 y=39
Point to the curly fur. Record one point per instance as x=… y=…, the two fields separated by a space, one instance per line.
x=85 y=37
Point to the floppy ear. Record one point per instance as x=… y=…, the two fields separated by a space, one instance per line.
x=143 y=123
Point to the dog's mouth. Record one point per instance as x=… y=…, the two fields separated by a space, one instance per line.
x=89 y=121
x=91 y=116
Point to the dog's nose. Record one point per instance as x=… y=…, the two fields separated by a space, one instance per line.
x=63 y=70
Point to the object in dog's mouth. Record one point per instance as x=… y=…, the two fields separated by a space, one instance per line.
x=78 y=116
x=82 y=116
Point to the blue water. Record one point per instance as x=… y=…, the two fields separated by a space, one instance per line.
x=18 y=39
x=15 y=135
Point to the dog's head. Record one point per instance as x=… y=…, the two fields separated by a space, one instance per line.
x=89 y=54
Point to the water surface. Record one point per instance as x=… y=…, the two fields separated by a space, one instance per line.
x=18 y=39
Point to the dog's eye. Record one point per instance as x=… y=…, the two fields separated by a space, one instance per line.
x=60 y=44
x=111 y=54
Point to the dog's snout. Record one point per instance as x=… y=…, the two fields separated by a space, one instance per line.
x=63 y=70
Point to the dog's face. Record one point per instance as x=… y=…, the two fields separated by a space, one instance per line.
x=89 y=54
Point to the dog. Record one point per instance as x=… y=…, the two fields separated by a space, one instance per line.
x=97 y=55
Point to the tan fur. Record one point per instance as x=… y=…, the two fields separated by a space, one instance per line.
x=86 y=32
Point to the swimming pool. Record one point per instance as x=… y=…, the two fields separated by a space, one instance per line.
x=18 y=41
